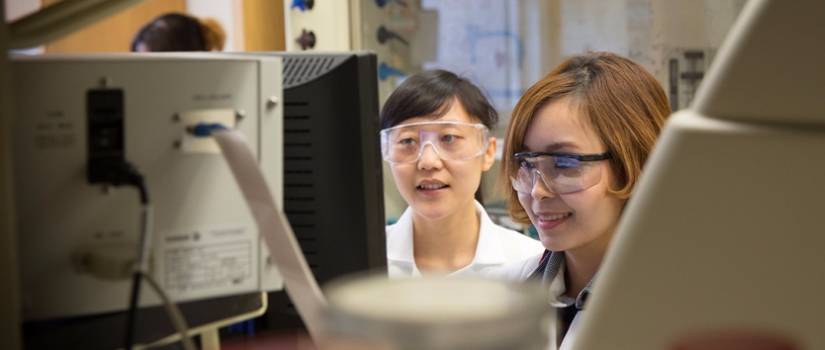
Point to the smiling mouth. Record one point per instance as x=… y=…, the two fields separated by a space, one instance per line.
x=554 y=217
x=550 y=221
x=430 y=187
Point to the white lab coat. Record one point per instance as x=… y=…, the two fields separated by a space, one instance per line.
x=497 y=246
x=520 y=271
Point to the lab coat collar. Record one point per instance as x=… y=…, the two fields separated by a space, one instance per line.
x=553 y=276
x=400 y=239
x=488 y=248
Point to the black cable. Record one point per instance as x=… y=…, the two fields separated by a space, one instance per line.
x=131 y=315
x=125 y=174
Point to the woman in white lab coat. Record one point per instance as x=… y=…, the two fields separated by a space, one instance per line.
x=575 y=146
x=435 y=137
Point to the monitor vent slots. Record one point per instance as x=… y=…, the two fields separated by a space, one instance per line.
x=300 y=70
x=299 y=178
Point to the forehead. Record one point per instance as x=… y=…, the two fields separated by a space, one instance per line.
x=456 y=112
x=560 y=126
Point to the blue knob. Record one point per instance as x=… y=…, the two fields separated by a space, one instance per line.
x=303 y=5
x=385 y=71
x=382 y=3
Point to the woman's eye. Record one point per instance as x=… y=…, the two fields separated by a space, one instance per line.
x=406 y=142
x=566 y=163
x=526 y=165
x=449 y=138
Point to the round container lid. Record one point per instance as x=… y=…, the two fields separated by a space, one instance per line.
x=438 y=312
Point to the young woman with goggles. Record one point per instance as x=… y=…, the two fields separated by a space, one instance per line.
x=436 y=140
x=575 y=147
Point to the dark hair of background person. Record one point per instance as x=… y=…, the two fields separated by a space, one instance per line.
x=431 y=94
x=179 y=32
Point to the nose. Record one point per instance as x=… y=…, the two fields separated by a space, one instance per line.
x=540 y=189
x=429 y=158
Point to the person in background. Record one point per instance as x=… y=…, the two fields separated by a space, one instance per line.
x=436 y=140
x=179 y=32
x=574 y=149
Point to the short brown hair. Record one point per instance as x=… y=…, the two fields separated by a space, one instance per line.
x=624 y=104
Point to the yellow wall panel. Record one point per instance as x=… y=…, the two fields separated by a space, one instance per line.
x=114 y=34
x=263 y=25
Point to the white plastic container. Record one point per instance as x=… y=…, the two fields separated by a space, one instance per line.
x=435 y=313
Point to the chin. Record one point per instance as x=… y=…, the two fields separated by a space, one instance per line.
x=430 y=210
x=555 y=243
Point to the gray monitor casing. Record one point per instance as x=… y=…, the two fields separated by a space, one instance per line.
x=724 y=233
x=205 y=242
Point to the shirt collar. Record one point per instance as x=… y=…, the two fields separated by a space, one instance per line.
x=553 y=275
x=488 y=249
x=400 y=239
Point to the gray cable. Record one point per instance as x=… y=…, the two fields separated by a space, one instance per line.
x=175 y=316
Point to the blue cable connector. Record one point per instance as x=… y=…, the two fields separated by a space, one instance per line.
x=204 y=129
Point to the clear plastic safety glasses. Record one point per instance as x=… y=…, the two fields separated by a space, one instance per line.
x=560 y=173
x=451 y=140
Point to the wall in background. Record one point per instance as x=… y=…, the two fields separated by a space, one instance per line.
x=225 y=13
x=262 y=25
x=668 y=37
x=114 y=34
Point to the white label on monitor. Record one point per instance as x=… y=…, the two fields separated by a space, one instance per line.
x=207 y=262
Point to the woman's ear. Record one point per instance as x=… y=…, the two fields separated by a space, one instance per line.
x=490 y=155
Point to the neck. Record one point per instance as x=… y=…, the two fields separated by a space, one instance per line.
x=582 y=263
x=446 y=244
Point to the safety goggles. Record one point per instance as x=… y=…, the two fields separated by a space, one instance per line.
x=450 y=140
x=560 y=173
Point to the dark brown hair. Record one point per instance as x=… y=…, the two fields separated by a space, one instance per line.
x=180 y=32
